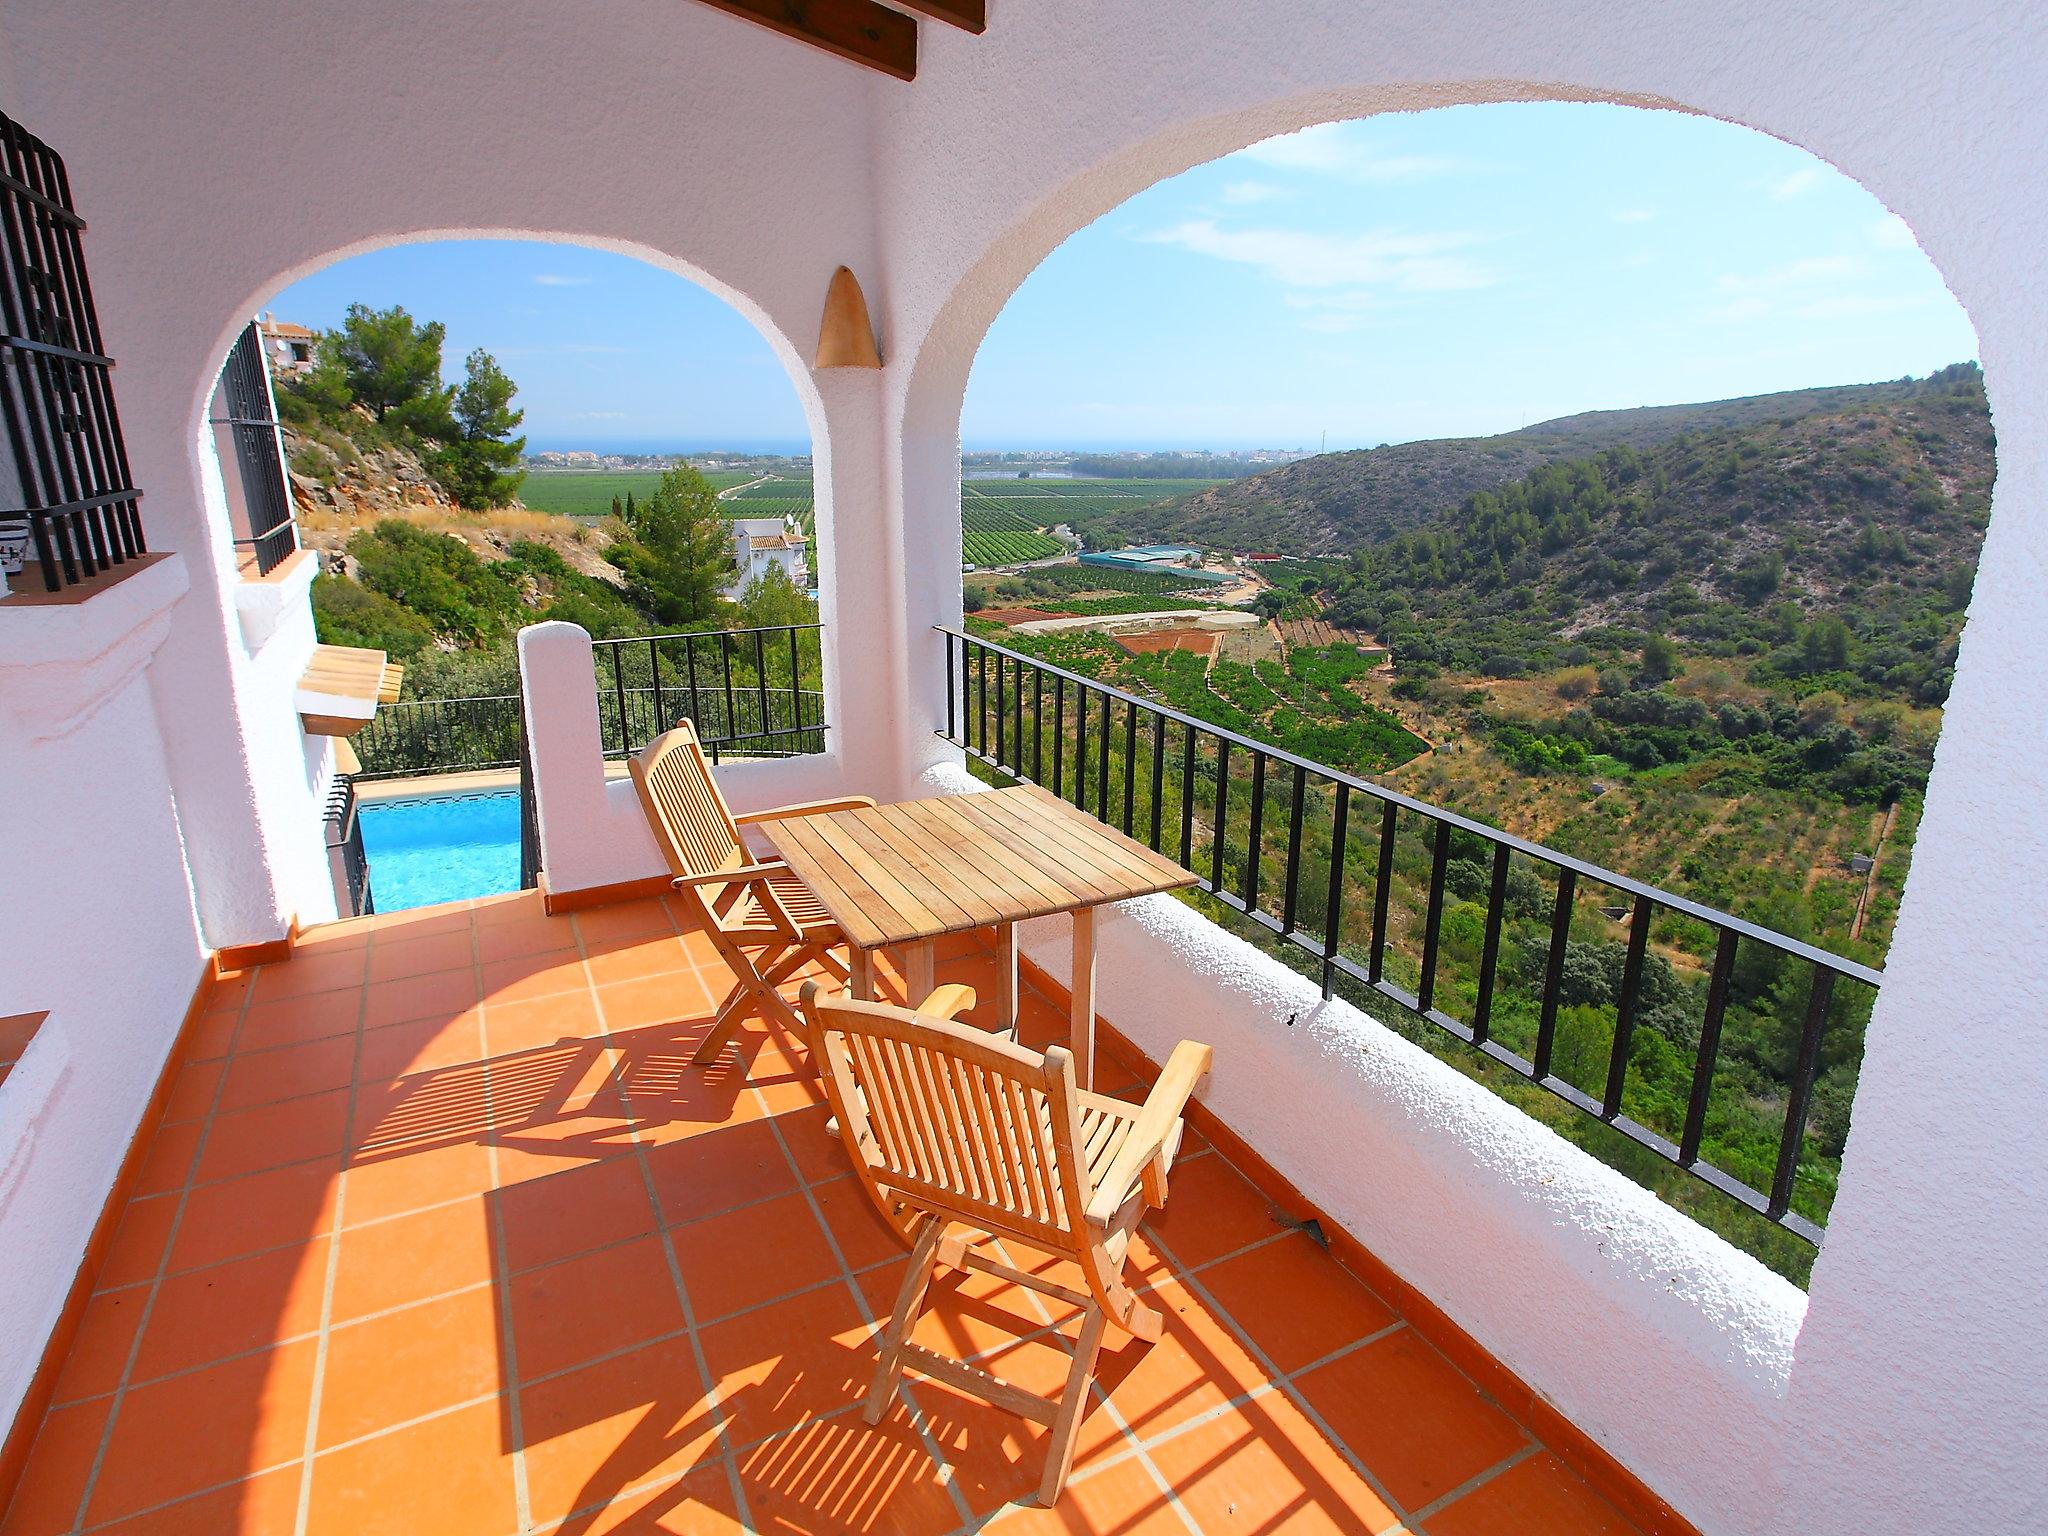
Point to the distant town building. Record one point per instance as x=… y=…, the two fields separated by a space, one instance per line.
x=759 y=543
x=288 y=347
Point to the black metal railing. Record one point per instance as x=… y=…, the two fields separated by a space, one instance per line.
x=1485 y=923
x=65 y=474
x=754 y=692
x=440 y=736
x=347 y=860
x=259 y=459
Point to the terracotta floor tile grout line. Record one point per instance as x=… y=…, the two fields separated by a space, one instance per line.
x=714 y=1407
x=335 y=1225
x=185 y=1187
x=1478 y=1480
x=501 y=1278
x=1280 y=1380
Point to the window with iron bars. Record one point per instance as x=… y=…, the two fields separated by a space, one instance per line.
x=68 y=505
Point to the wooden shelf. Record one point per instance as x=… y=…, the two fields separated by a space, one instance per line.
x=342 y=686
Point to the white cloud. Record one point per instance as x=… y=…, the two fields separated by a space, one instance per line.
x=1634 y=215
x=1893 y=233
x=1242 y=192
x=1797 y=184
x=1405 y=263
x=1815 y=288
x=1338 y=149
x=559 y=280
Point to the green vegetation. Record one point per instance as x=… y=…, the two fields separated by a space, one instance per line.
x=590 y=493
x=1705 y=647
x=376 y=383
x=678 y=553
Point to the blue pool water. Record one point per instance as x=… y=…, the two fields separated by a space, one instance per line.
x=427 y=851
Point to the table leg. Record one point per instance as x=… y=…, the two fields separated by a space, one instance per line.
x=1081 y=1014
x=1006 y=978
x=861 y=962
x=920 y=971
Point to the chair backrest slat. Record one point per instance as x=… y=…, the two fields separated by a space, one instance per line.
x=694 y=825
x=957 y=1120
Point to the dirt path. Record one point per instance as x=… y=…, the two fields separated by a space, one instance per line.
x=731 y=492
x=1891 y=820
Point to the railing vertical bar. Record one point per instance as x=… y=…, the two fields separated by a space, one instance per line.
x=1158 y=772
x=1333 y=911
x=1017 y=718
x=952 y=731
x=1433 y=924
x=1293 y=889
x=619 y=685
x=1383 y=881
x=654 y=667
x=1219 y=821
x=1130 y=763
x=690 y=664
x=1059 y=735
x=1553 y=970
x=761 y=679
x=1102 y=764
x=1187 y=799
x=1710 y=1049
x=981 y=699
x=1800 y=1096
x=731 y=708
x=1002 y=712
x=1489 y=957
x=1037 y=725
x=1257 y=830
x=1625 y=1008
x=1081 y=746
x=796 y=700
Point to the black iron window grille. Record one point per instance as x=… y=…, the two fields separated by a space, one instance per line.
x=65 y=485
x=1293 y=846
x=251 y=422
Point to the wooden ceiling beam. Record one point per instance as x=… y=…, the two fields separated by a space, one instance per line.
x=859 y=30
x=969 y=15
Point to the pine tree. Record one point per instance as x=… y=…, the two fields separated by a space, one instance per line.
x=681 y=553
x=476 y=462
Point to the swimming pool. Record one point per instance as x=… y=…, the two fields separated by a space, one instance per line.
x=441 y=848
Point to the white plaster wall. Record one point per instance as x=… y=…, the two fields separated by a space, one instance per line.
x=99 y=926
x=1915 y=1386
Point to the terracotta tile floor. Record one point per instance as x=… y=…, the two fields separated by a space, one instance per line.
x=442 y=1234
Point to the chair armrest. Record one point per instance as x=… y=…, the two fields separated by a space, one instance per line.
x=741 y=874
x=946 y=1002
x=1185 y=1069
x=806 y=808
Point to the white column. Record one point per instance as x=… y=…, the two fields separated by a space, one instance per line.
x=1919 y=1397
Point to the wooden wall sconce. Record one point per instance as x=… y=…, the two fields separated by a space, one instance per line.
x=846 y=337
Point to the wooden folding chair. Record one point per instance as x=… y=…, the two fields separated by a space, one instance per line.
x=762 y=919
x=961 y=1138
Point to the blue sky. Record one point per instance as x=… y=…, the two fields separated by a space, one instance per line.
x=1458 y=271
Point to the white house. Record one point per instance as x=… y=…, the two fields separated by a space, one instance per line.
x=762 y=544
x=287 y=348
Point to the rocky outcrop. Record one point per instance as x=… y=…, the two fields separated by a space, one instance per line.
x=381 y=483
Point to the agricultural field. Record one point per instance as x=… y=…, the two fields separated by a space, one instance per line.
x=1009 y=548
x=589 y=493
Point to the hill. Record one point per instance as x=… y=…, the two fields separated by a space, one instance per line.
x=1337 y=502
x=1836 y=541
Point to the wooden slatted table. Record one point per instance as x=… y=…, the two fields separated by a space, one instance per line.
x=912 y=873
